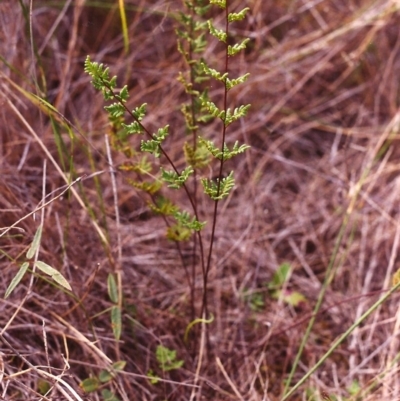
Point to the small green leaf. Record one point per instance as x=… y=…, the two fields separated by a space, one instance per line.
x=112 y=288
x=124 y=94
x=154 y=379
x=280 y=276
x=178 y=233
x=101 y=78
x=163 y=206
x=133 y=128
x=354 y=387
x=109 y=396
x=217 y=33
x=218 y=189
x=292 y=298
x=43 y=386
x=35 y=243
x=256 y=302
x=219 y=3
x=53 y=273
x=115 y=110
x=225 y=154
x=238 y=16
x=18 y=277
x=151 y=146
x=174 y=179
x=230 y=83
x=185 y=220
x=105 y=376
x=236 y=48
x=90 y=384
x=149 y=187
x=213 y=72
x=119 y=366
x=167 y=359
x=140 y=111
x=198 y=157
x=116 y=322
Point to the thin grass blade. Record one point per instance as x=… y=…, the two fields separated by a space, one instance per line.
x=35 y=243
x=53 y=273
x=18 y=277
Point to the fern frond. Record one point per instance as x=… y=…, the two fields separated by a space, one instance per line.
x=217 y=189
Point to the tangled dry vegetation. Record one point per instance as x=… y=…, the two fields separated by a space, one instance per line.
x=323 y=130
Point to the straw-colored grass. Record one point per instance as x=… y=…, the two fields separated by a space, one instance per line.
x=323 y=166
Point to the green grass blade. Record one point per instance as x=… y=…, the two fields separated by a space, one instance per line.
x=341 y=339
x=35 y=243
x=122 y=12
x=53 y=273
x=116 y=322
x=18 y=277
x=112 y=289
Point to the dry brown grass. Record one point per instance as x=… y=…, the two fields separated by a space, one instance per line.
x=324 y=90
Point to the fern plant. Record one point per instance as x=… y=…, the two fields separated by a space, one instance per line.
x=149 y=163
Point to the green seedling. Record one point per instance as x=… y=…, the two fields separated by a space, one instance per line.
x=105 y=376
x=278 y=290
x=50 y=271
